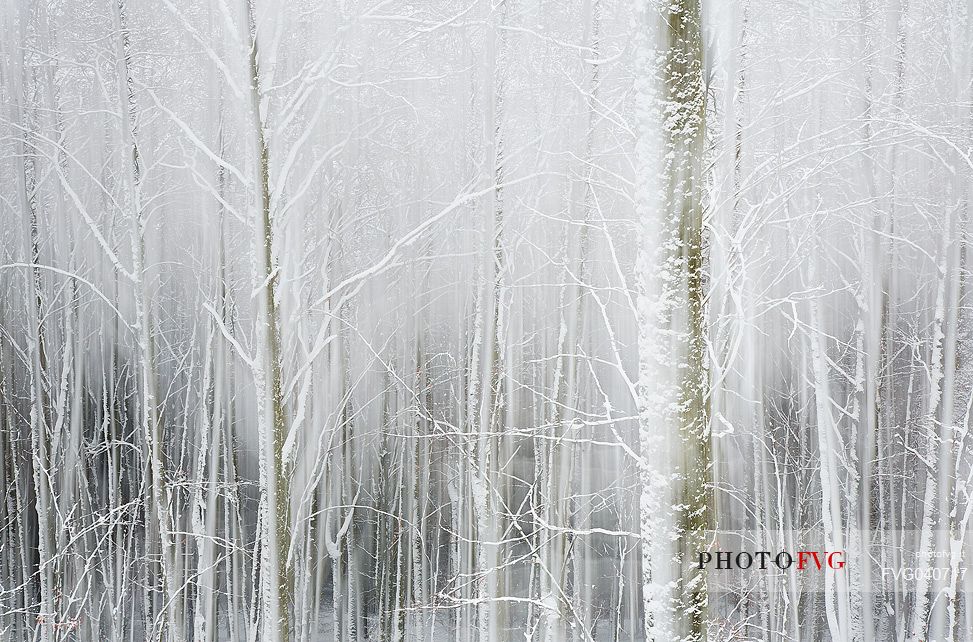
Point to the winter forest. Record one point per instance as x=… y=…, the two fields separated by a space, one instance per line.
x=486 y=320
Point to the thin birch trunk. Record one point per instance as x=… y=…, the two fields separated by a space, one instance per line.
x=275 y=577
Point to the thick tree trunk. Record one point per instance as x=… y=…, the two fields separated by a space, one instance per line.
x=673 y=402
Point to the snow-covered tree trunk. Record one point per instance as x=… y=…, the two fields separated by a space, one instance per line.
x=673 y=397
x=150 y=420
x=275 y=578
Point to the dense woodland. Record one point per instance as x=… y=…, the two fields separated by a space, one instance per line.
x=374 y=320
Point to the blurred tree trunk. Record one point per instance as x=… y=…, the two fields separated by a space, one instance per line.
x=674 y=434
x=275 y=580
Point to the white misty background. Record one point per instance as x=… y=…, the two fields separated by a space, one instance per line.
x=481 y=319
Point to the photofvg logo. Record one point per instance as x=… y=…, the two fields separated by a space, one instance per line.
x=763 y=560
x=804 y=551
x=736 y=561
x=808 y=560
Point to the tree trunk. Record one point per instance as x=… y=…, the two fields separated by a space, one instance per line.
x=673 y=403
